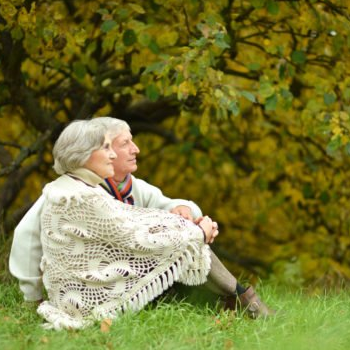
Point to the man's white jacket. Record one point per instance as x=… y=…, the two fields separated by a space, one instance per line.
x=26 y=251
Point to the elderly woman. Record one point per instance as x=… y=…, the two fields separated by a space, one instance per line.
x=102 y=257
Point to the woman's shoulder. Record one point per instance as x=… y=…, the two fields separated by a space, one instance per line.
x=68 y=188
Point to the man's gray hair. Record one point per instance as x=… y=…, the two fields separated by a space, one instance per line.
x=80 y=138
x=115 y=126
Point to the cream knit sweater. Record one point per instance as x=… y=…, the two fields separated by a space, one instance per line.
x=102 y=257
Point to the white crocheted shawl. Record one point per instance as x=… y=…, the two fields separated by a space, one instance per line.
x=102 y=257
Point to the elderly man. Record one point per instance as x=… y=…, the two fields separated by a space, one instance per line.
x=26 y=249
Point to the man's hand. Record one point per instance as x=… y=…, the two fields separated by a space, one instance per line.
x=184 y=211
x=209 y=227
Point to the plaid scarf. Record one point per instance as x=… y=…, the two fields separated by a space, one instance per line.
x=121 y=192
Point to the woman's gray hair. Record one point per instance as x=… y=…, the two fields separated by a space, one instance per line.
x=80 y=138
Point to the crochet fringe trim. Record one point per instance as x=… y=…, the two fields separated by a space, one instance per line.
x=180 y=270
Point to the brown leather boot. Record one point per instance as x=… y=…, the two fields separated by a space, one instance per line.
x=230 y=302
x=252 y=304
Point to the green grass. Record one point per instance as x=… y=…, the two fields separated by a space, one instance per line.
x=303 y=322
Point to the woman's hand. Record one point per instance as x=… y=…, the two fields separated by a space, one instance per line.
x=209 y=227
x=184 y=211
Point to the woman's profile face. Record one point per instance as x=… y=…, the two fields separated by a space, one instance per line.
x=101 y=160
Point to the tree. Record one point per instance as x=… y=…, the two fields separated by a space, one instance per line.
x=250 y=96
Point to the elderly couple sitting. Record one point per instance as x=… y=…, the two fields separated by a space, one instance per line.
x=103 y=242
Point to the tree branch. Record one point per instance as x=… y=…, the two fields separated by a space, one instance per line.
x=26 y=152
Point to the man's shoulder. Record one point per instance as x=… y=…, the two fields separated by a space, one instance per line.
x=143 y=186
x=138 y=181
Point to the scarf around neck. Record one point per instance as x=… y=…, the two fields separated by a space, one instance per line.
x=122 y=191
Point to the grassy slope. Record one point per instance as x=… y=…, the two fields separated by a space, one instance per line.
x=317 y=322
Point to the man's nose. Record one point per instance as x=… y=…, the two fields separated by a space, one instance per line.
x=135 y=149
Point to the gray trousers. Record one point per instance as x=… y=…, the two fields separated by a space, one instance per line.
x=220 y=280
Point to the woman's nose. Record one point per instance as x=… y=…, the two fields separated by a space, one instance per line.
x=112 y=155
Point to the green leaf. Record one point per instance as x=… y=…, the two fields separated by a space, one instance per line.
x=272 y=7
x=234 y=108
x=287 y=98
x=79 y=70
x=205 y=121
x=271 y=103
x=290 y=70
x=144 y=39
x=56 y=63
x=221 y=41
x=200 y=42
x=137 y=8
x=248 y=95
x=186 y=147
x=261 y=183
x=261 y=218
x=282 y=71
x=154 y=67
x=266 y=90
x=298 y=57
x=129 y=37
x=221 y=113
x=346 y=94
x=211 y=19
x=333 y=145
x=16 y=33
x=152 y=92
x=329 y=99
x=323 y=130
x=308 y=191
x=102 y=11
x=153 y=46
x=324 y=197
x=286 y=94
x=258 y=4
x=108 y=25
x=123 y=13
x=327 y=117
x=179 y=78
x=222 y=44
x=194 y=130
x=347 y=148
x=253 y=66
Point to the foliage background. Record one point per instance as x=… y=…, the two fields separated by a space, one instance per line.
x=241 y=106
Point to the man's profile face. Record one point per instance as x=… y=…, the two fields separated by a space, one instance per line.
x=126 y=152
